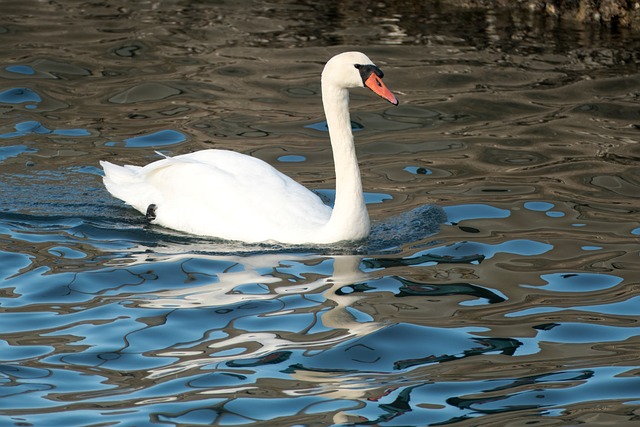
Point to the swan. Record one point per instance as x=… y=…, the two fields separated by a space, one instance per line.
x=232 y=196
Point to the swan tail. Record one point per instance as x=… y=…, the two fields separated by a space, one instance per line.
x=126 y=184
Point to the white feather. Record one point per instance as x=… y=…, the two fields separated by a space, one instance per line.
x=233 y=196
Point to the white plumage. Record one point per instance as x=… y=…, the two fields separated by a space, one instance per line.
x=233 y=196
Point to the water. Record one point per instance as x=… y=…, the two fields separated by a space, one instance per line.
x=512 y=299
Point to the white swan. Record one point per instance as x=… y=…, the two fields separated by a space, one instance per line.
x=233 y=196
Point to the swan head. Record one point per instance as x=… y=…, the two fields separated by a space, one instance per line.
x=355 y=69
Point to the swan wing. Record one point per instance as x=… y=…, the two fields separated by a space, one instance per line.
x=223 y=194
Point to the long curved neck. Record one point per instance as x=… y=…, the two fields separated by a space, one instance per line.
x=349 y=220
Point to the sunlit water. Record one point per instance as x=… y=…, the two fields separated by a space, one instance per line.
x=501 y=284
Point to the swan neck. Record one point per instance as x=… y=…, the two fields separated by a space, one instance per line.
x=349 y=220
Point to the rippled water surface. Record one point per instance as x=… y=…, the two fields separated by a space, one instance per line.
x=500 y=286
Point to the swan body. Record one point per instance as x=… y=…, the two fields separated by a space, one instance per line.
x=233 y=196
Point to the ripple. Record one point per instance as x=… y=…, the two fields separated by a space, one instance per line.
x=291 y=158
x=13 y=151
x=34 y=127
x=21 y=69
x=156 y=139
x=578 y=282
x=459 y=213
x=19 y=95
x=234 y=71
x=323 y=127
x=130 y=50
x=418 y=170
x=538 y=206
x=144 y=92
x=584 y=333
x=13 y=263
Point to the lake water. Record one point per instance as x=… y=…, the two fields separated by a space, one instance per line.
x=501 y=285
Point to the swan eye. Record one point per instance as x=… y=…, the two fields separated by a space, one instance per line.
x=367 y=70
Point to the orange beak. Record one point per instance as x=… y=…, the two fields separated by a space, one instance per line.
x=374 y=83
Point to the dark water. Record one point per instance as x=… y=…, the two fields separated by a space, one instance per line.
x=513 y=299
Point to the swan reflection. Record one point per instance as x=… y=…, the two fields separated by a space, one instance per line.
x=247 y=281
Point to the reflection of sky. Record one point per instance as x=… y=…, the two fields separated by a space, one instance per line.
x=197 y=322
x=21 y=95
x=21 y=69
x=155 y=139
x=577 y=282
x=478 y=251
x=459 y=213
x=33 y=127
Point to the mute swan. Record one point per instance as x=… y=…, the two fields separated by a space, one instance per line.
x=233 y=196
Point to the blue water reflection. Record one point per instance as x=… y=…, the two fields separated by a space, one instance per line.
x=538 y=206
x=302 y=320
x=156 y=139
x=13 y=151
x=322 y=126
x=578 y=282
x=292 y=159
x=21 y=69
x=309 y=322
x=19 y=95
x=418 y=170
x=34 y=127
x=459 y=213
